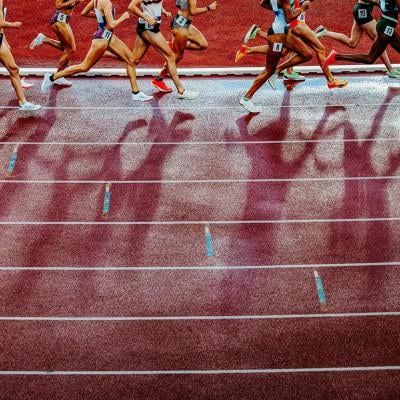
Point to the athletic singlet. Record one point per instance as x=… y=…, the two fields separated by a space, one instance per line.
x=4 y=16
x=152 y=8
x=70 y=7
x=101 y=19
x=279 y=25
x=183 y=4
x=389 y=9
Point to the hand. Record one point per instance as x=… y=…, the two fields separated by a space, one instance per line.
x=213 y=6
x=125 y=16
x=167 y=14
x=150 y=20
x=17 y=24
x=306 y=5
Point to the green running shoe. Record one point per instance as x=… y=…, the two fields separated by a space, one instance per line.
x=294 y=76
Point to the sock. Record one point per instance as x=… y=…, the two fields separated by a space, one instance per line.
x=136 y=92
x=158 y=78
x=52 y=78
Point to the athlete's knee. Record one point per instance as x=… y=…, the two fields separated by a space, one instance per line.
x=307 y=55
x=70 y=51
x=84 y=67
x=13 y=70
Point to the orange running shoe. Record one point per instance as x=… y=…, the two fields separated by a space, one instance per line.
x=161 y=86
x=337 y=83
x=241 y=53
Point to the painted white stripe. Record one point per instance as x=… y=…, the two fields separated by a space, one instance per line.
x=209 y=371
x=204 y=143
x=222 y=71
x=199 y=317
x=201 y=181
x=202 y=107
x=233 y=222
x=208 y=267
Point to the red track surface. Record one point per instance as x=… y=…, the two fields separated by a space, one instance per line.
x=224 y=31
x=311 y=184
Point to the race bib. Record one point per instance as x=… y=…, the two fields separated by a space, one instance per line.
x=61 y=17
x=106 y=34
x=181 y=21
x=302 y=17
x=389 y=31
x=277 y=47
x=362 y=14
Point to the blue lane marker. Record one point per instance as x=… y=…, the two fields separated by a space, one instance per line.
x=209 y=242
x=107 y=200
x=13 y=160
x=320 y=288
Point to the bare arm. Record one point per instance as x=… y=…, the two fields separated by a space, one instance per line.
x=292 y=15
x=61 y=4
x=194 y=10
x=6 y=24
x=106 y=7
x=134 y=9
x=372 y=3
x=88 y=10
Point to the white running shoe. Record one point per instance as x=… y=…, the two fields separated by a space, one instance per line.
x=46 y=83
x=37 y=41
x=25 y=84
x=29 y=106
x=249 y=105
x=273 y=81
x=251 y=33
x=63 y=82
x=141 y=97
x=188 y=95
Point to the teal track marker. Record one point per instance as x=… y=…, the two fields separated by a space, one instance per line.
x=209 y=242
x=107 y=200
x=13 y=160
x=320 y=288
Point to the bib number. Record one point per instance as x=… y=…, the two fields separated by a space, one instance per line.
x=302 y=17
x=277 y=47
x=106 y=34
x=389 y=31
x=362 y=14
x=181 y=21
x=61 y=18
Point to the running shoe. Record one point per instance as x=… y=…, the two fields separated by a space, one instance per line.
x=251 y=33
x=25 y=84
x=337 y=83
x=37 y=41
x=273 y=81
x=294 y=76
x=320 y=31
x=141 y=97
x=188 y=95
x=249 y=105
x=241 y=53
x=63 y=82
x=29 y=106
x=46 y=83
x=161 y=86
x=394 y=74
x=331 y=59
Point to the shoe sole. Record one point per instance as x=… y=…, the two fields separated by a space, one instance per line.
x=161 y=90
x=248 y=35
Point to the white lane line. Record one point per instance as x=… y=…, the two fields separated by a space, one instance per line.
x=210 y=371
x=207 y=267
x=238 y=222
x=205 y=143
x=197 y=107
x=200 y=181
x=201 y=317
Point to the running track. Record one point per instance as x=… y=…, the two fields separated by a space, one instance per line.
x=294 y=295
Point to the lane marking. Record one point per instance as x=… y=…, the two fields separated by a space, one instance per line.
x=320 y=288
x=201 y=317
x=205 y=181
x=209 y=241
x=13 y=160
x=206 y=143
x=210 y=371
x=194 y=107
x=207 y=267
x=176 y=223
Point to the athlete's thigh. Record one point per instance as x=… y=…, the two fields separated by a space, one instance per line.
x=140 y=48
x=370 y=29
x=119 y=48
x=356 y=33
x=395 y=42
x=64 y=34
x=308 y=36
x=158 y=41
x=96 y=51
x=296 y=44
x=6 y=57
x=194 y=35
